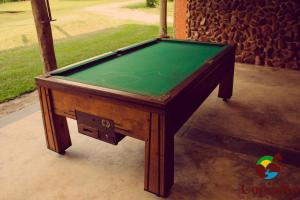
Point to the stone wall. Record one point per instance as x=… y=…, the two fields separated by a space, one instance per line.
x=265 y=32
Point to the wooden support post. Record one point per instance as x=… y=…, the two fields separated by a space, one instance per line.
x=44 y=33
x=163 y=19
x=159 y=157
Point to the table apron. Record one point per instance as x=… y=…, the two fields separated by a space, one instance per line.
x=129 y=121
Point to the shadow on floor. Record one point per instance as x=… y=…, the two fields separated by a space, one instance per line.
x=242 y=146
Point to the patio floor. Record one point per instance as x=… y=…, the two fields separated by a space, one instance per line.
x=215 y=151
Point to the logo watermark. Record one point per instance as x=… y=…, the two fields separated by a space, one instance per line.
x=269 y=168
x=270 y=189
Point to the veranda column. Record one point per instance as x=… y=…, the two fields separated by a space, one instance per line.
x=163 y=19
x=44 y=33
x=56 y=127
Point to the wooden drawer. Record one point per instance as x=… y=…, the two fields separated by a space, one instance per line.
x=127 y=120
x=97 y=127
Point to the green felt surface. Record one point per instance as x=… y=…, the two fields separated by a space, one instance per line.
x=153 y=70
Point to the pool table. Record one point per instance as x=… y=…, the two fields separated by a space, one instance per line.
x=146 y=91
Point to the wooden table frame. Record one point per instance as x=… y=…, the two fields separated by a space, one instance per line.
x=154 y=120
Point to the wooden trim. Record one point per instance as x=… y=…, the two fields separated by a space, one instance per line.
x=193 y=42
x=102 y=58
x=45 y=115
x=147 y=155
x=75 y=87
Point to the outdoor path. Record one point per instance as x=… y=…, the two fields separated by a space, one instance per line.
x=117 y=10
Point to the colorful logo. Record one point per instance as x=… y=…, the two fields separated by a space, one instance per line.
x=267 y=167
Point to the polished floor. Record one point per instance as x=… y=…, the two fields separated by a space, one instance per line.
x=215 y=151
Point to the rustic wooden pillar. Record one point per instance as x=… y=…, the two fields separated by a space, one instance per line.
x=56 y=127
x=44 y=33
x=163 y=19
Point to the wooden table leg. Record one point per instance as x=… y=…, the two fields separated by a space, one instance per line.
x=56 y=127
x=159 y=157
x=226 y=85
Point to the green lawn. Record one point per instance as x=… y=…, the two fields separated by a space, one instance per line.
x=73 y=17
x=18 y=67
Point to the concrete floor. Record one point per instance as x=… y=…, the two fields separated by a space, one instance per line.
x=215 y=151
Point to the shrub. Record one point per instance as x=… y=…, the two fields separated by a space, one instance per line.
x=151 y=3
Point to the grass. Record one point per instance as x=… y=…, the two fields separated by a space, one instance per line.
x=73 y=18
x=138 y=6
x=7 y=1
x=142 y=7
x=18 y=67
